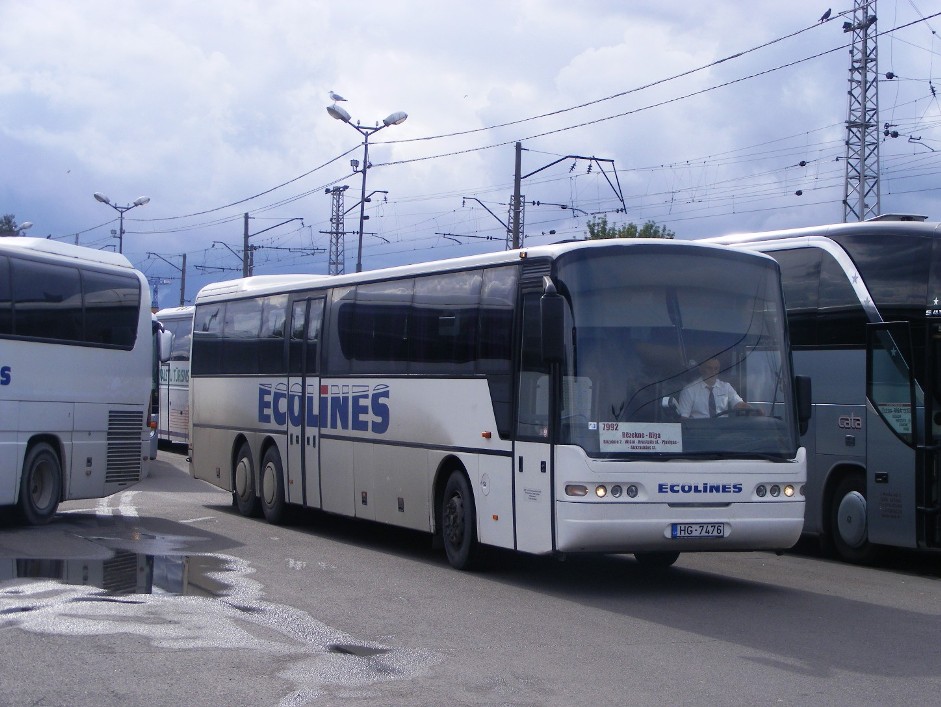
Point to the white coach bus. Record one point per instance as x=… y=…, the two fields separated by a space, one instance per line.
x=174 y=416
x=524 y=399
x=76 y=374
x=865 y=324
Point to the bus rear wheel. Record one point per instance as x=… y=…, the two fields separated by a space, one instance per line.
x=243 y=483
x=459 y=522
x=41 y=485
x=272 y=487
x=849 y=532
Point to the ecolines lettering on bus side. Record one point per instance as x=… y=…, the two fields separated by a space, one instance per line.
x=6 y=375
x=360 y=408
x=699 y=488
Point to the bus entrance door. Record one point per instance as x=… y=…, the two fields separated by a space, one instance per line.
x=893 y=411
x=532 y=468
x=303 y=469
x=533 y=497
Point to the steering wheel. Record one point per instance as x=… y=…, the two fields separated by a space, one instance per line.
x=741 y=412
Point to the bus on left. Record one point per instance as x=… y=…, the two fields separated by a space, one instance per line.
x=76 y=375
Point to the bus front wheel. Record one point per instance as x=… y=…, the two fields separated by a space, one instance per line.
x=849 y=531
x=243 y=483
x=272 y=487
x=459 y=522
x=41 y=486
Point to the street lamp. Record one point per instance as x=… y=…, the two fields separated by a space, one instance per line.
x=396 y=118
x=139 y=201
x=18 y=231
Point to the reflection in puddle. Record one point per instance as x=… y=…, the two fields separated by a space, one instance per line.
x=127 y=573
x=196 y=602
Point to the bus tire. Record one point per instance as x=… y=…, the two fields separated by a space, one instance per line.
x=243 y=483
x=41 y=485
x=656 y=559
x=459 y=522
x=848 y=531
x=272 y=487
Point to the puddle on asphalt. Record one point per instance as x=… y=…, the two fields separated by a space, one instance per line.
x=169 y=583
x=127 y=573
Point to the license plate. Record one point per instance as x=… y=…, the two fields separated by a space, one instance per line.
x=698 y=530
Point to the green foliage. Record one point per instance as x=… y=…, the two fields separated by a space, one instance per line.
x=599 y=228
x=8 y=225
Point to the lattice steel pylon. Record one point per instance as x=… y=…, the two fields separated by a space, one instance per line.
x=336 y=265
x=861 y=194
x=520 y=226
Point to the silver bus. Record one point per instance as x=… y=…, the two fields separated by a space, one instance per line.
x=864 y=307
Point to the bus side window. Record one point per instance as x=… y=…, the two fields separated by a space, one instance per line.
x=533 y=410
x=6 y=298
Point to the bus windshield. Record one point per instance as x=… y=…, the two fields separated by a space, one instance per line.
x=655 y=336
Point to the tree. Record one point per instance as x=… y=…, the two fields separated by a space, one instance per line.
x=9 y=227
x=599 y=228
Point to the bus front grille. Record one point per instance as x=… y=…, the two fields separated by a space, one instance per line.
x=124 y=446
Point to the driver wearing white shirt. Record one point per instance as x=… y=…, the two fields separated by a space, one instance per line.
x=694 y=400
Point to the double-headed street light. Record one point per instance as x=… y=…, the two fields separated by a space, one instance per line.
x=395 y=119
x=139 y=201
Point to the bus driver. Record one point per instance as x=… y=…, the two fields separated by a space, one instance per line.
x=708 y=396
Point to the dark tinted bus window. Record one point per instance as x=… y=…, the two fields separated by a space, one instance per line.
x=442 y=329
x=314 y=327
x=112 y=303
x=822 y=306
x=495 y=332
x=340 y=350
x=800 y=276
x=895 y=270
x=6 y=298
x=47 y=301
x=240 y=332
x=533 y=401
x=207 y=339
x=841 y=320
x=373 y=330
x=271 y=336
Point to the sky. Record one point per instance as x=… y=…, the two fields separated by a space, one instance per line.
x=706 y=118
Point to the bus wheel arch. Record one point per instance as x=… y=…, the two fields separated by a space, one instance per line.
x=271 y=484
x=458 y=517
x=41 y=482
x=244 y=479
x=845 y=505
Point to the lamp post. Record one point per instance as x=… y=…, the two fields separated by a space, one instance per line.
x=139 y=201
x=396 y=118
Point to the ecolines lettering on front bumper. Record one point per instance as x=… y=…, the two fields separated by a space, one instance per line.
x=687 y=489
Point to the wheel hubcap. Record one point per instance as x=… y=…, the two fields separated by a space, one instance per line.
x=242 y=479
x=851 y=519
x=40 y=488
x=269 y=485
